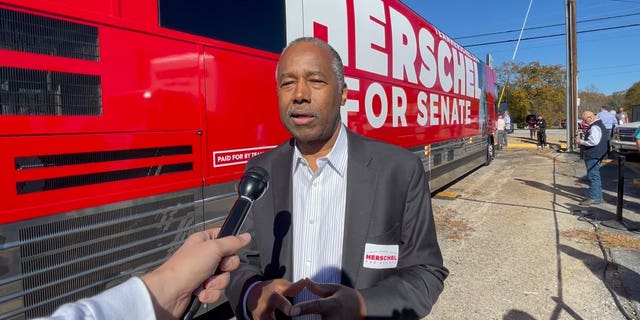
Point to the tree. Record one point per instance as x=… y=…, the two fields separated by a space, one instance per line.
x=533 y=89
x=632 y=97
x=616 y=100
x=592 y=100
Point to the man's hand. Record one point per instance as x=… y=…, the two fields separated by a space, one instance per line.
x=336 y=302
x=194 y=263
x=268 y=296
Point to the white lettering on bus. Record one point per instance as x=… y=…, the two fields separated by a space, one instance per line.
x=370 y=36
x=387 y=44
x=351 y=105
x=444 y=53
x=373 y=91
x=335 y=24
x=404 y=47
x=399 y=106
x=433 y=107
x=428 y=67
x=423 y=113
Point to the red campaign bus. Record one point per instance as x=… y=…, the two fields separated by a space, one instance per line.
x=125 y=124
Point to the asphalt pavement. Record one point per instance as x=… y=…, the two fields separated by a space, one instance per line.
x=619 y=213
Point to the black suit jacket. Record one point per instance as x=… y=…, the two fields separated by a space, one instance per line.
x=388 y=202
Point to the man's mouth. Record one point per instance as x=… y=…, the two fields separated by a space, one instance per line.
x=302 y=118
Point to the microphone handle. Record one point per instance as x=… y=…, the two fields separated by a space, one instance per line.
x=230 y=227
x=236 y=217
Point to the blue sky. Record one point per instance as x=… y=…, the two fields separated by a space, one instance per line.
x=608 y=60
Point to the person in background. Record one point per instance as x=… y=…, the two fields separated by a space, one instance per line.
x=165 y=292
x=636 y=135
x=346 y=230
x=623 y=117
x=507 y=125
x=541 y=126
x=595 y=149
x=531 y=123
x=609 y=121
x=500 y=131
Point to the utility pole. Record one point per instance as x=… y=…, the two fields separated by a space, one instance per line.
x=572 y=75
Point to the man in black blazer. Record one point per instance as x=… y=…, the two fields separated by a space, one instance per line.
x=391 y=266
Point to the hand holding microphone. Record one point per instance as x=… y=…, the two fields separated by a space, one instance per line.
x=252 y=186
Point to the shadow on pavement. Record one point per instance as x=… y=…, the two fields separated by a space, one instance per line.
x=598 y=267
x=517 y=315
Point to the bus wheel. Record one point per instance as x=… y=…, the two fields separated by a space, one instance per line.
x=491 y=152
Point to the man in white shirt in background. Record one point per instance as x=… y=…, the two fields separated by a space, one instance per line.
x=507 y=125
x=609 y=121
x=500 y=128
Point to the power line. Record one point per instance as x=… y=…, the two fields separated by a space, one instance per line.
x=546 y=26
x=628 y=1
x=549 y=35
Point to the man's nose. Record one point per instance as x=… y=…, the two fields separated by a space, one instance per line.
x=302 y=92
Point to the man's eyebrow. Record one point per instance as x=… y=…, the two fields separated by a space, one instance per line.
x=293 y=75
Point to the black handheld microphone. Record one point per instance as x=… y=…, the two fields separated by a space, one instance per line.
x=252 y=186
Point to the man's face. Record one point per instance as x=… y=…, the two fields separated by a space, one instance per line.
x=308 y=93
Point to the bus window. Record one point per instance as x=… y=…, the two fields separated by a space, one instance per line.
x=253 y=23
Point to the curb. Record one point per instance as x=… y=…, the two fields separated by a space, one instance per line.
x=531 y=145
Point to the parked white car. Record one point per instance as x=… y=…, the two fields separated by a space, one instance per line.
x=623 y=141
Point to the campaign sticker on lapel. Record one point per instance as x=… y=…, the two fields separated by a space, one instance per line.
x=378 y=256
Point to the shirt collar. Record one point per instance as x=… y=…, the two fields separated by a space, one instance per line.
x=337 y=157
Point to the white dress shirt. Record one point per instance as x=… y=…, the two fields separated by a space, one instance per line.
x=319 y=201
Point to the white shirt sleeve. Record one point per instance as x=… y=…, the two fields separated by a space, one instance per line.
x=128 y=300
x=594 y=137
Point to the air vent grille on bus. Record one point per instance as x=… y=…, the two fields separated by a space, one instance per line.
x=77 y=257
x=54 y=183
x=35 y=34
x=24 y=163
x=49 y=93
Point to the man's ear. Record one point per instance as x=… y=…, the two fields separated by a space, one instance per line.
x=343 y=97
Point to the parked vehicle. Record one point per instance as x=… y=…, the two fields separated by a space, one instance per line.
x=623 y=140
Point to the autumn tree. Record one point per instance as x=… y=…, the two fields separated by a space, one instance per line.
x=533 y=89
x=632 y=97
x=591 y=99
x=616 y=100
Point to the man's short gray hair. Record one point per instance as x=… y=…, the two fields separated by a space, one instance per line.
x=336 y=61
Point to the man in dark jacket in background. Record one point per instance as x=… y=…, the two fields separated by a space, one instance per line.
x=541 y=125
x=595 y=149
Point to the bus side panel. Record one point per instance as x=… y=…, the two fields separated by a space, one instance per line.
x=46 y=175
x=242 y=111
x=144 y=83
x=141 y=135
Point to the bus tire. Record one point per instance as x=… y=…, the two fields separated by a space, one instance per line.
x=491 y=151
